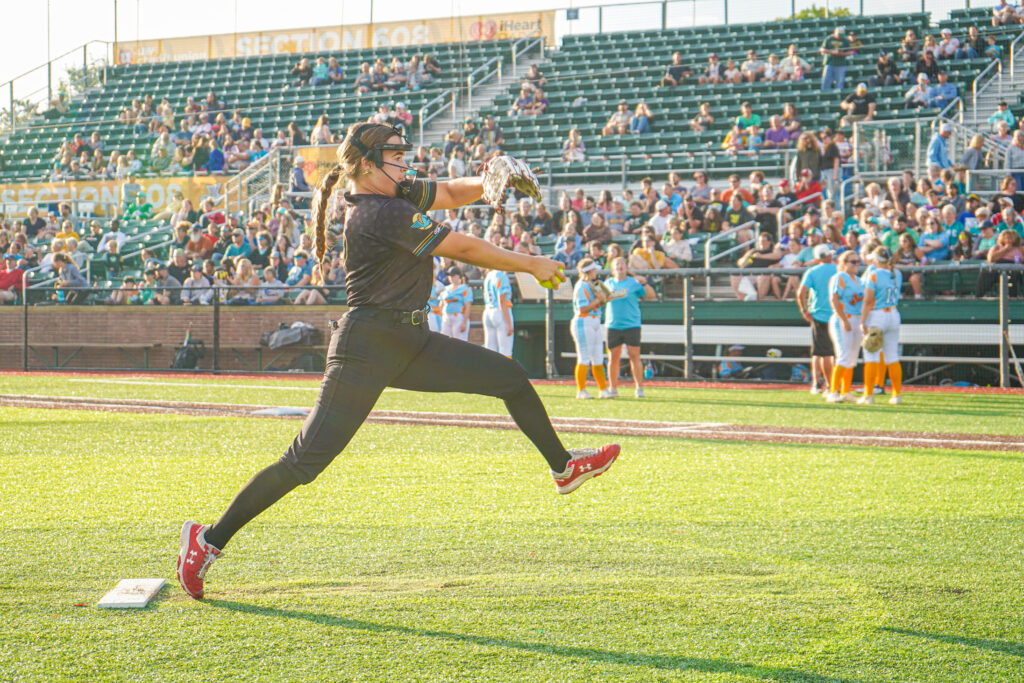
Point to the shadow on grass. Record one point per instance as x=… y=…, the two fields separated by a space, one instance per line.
x=1008 y=647
x=653 y=661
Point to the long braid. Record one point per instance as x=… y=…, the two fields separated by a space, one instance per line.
x=321 y=198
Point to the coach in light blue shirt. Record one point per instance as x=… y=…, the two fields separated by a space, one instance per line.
x=938 y=148
x=813 y=300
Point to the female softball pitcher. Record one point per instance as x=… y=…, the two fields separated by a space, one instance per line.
x=587 y=300
x=881 y=296
x=499 y=332
x=383 y=340
x=846 y=294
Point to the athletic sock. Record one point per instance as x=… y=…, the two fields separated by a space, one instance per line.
x=896 y=375
x=529 y=414
x=581 y=377
x=263 y=490
x=837 y=375
x=602 y=381
x=847 y=380
x=869 y=378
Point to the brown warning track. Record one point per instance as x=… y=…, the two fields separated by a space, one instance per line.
x=679 y=430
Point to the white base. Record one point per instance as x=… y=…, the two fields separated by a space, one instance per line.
x=132 y=593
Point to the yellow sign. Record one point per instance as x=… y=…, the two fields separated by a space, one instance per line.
x=338 y=38
x=104 y=194
x=318 y=161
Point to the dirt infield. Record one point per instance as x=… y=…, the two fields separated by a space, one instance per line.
x=678 y=430
x=317 y=376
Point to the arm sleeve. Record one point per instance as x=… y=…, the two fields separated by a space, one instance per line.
x=402 y=227
x=421 y=193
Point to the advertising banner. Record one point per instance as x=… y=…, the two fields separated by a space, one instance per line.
x=338 y=38
x=16 y=198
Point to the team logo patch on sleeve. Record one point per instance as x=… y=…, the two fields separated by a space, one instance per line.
x=420 y=222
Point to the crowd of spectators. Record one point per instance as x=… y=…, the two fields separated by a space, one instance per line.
x=927 y=220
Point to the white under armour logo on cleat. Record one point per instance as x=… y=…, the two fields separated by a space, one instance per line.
x=584 y=468
x=191 y=556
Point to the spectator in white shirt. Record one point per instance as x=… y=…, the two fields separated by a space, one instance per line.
x=948 y=46
x=197 y=289
x=113 y=234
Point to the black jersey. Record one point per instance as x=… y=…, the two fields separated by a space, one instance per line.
x=388 y=242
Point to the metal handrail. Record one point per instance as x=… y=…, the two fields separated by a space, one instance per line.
x=516 y=52
x=976 y=90
x=720 y=236
x=425 y=118
x=470 y=83
x=234 y=183
x=1013 y=53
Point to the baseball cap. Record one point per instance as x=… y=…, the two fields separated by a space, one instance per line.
x=974 y=197
x=196 y=227
x=238 y=232
x=946 y=31
x=862 y=86
x=806 y=171
x=822 y=250
x=840 y=29
x=662 y=204
x=453 y=270
x=400 y=105
x=298 y=160
x=12 y=257
x=783 y=183
x=197 y=266
x=737 y=347
x=945 y=128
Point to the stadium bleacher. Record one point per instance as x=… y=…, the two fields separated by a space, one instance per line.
x=605 y=68
x=255 y=86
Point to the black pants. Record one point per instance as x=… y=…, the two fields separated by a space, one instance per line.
x=369 y=351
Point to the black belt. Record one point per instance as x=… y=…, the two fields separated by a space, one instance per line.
x=417 y=317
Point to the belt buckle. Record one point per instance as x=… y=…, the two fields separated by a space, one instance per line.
x=418 y=317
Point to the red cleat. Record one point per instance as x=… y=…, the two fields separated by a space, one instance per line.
x=194 y=558
x=585 y=463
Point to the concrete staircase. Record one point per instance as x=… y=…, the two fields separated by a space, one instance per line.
x=1003 y=87
x=483 y=96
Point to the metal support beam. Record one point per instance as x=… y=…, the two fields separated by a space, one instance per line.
x=688 y=324
x=1004 y=329
x=549 y=333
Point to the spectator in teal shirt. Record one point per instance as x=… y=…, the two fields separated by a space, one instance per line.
x=238 y=248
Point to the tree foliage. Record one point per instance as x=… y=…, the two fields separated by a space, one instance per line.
x=815 y=12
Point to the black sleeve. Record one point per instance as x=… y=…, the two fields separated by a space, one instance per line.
x=401 y=226
x=421 y=193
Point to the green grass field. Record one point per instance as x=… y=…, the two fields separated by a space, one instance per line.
x=444 y=554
